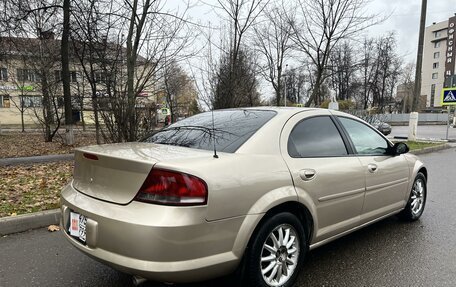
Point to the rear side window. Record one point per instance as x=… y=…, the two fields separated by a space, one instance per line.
x=231 y=129
x=316 y=137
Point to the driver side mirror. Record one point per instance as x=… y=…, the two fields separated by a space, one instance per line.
x=399 y=148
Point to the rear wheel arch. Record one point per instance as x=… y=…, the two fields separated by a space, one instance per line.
x=295 y=208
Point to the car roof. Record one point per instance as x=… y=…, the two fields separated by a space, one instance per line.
x=279 y=110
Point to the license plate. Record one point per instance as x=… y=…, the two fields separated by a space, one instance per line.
x=78 y=224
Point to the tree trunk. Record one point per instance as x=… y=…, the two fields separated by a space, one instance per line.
x=69 y=136
x=314 y=97
x=22 y=120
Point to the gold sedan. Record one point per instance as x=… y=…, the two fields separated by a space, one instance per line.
x=251 y=189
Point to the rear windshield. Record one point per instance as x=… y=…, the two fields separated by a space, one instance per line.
x=231 y=129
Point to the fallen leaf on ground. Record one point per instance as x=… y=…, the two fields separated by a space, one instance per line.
x=53 y=228
x=13 y=214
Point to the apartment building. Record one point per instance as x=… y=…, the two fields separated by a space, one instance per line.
x=26 y=62
x=439 y=56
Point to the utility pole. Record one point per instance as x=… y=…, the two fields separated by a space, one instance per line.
x=413 y=120
x=419 y=58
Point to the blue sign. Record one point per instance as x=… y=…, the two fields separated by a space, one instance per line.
x=448 y=96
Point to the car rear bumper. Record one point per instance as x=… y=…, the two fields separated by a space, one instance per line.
x=162 y=243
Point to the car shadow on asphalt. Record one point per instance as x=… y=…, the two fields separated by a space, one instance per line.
x=345 y=252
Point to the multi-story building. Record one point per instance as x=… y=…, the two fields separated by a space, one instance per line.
x=27 y=65
x=439 y=56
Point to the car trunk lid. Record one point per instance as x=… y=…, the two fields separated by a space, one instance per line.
x=115 y=172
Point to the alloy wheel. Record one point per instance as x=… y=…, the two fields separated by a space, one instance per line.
x=280 y=255
x=418 y=194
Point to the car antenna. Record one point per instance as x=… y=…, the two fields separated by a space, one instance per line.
x=213 y=133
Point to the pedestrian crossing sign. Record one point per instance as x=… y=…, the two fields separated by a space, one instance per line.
x=448 y=96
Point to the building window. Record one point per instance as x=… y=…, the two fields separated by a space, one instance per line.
x=435 y=65
x=437 y=34
x=4 y=101
x=432 y=95
x=437 y=44
x=436 y=55
x=28 y=75
x=31 y=101
x=58 y=75
x=101 y=77
x=73 y=76
x=3 y=74
x=435 y=75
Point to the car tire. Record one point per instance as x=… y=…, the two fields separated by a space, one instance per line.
x=417 y=199
x=276 y=252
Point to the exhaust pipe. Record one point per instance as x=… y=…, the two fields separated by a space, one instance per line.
x=138 y=281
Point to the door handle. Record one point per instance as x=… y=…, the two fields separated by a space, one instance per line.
x=372 y=167
x=307 y=174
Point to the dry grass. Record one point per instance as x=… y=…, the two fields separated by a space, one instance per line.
x=32 y=188
x=17 y=144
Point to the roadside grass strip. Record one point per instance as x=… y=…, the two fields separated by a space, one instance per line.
x=31 y=188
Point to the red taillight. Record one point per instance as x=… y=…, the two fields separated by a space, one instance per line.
x=172 y=188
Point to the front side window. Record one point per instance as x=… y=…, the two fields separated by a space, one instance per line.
x=365 y=139
x=316 y=137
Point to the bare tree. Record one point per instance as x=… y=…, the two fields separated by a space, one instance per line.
x=122 y=47
x=386 y=71
x=236 y=85
x=407 y=80
x=296 y=83
x=367 y=66
x=90 y=30
x=30 y=26
x=343 y=67
x=272 y=41
x=241 y=15
x=179 y=91
x=324 y=24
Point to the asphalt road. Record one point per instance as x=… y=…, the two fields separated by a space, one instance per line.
x=426 y=132
x=389 y=253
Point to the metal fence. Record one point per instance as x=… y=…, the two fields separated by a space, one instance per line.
x=422 y=117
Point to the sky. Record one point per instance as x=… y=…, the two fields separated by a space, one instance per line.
x=402 y=18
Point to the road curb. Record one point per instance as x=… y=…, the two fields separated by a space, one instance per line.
x=24 y=222
x=431 y=149
x=35 y=159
